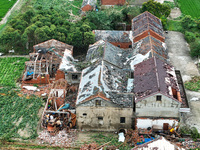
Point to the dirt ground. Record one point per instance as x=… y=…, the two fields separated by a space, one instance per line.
x=180 y=58
x=175 y=13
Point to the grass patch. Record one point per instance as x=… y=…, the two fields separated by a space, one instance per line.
x=5 y=5
x=11 y=70
x=174 y=25
x=190 y=7
x=194 y=84
x=18 y=114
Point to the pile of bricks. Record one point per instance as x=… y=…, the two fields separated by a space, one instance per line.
x=61 y=139
x=90 y=146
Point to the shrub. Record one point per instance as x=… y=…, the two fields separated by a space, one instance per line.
x=195 y=48
x=190 y=37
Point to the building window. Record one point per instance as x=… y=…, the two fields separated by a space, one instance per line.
x=74 y=77
x=130 y=46
x=98 y=103
x=158 y=98
x=122 y=119
x=100 y=118
x=118 y=45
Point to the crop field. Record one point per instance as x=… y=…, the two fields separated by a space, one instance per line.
x=11 y=70
x=18 y=114
x=5 y=5
x=190 y=7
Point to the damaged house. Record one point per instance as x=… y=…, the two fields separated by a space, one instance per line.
x=58 y=113
x=105 y=98
x=122 y=39
x=157 y=94
x=50 y=61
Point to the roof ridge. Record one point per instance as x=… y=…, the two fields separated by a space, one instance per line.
x=156 y=73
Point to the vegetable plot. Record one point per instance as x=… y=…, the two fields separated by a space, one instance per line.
x=18 y=114
x=190 y=7
x=5 y=5
x=11 y=69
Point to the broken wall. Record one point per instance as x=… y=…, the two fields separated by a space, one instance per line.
x=87 y=8
x=73 y=77
x=122 y=45
x=150 y=107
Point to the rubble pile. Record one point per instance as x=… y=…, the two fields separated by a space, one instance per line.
x=90 y=146
x=190 y=144
x=42 y=90
x=61 y=139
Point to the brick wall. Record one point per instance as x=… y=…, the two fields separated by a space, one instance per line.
x=39 y=80
x=146 y=33
x=60 y=75
x=87 y=8
x=122 y=45
x=113 y=2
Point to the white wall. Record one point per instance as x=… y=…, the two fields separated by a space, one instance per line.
x=145 y=123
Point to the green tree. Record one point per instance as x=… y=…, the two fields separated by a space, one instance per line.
x=190 y=37
x=195 y=48
x=156 y=8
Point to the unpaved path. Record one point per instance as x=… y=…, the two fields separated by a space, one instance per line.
x=16 y=6
x=179 y=54
x=175 y=13
x=181 y=60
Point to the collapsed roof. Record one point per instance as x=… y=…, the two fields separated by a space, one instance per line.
x=104 y=80
x=154 y=46
x=158 y=144
x=102 y=50
x=68 y=63
x=53 y=43
x=155 y=76
x=113 y=36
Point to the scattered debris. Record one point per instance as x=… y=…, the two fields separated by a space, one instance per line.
x=62 y=139
x=31 y=88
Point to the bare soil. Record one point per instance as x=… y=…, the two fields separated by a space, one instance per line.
x=175 y=13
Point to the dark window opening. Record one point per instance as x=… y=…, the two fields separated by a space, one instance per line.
x=118 y=45
x=158 y=98
x=100 y=118
x=130 y=46
x=98 y=102
x=122 y=119
x=74 y=77
x=132 y=74
x=84 y=114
